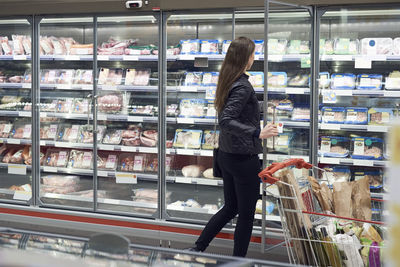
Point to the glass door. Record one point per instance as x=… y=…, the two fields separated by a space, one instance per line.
x=15 y=110
x=127 y=114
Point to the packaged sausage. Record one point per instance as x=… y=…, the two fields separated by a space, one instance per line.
x=298 y=47
x=346 y=46
x=68 y=133
x=356 y=115
x=277 y=46
x=5 y=129
x=225 y=46
x=193 y=78
x=333 y=115
x=210 y=139
x=376 y=46
x=324 y=80
x=188 y=138
x=79 y=159
x=21 y=130
x=107 y=161
x=259 y=47
x=81 y=49
x=56 y=158
x=369 y=81
x=336 y=174
x=379 y=116
x=81 y=105
x=346 y=81
x=369 y=148
x=190 y=47
x=65 y=105
x=334 y=146
x=299 y=80
x=209 y=47
x=393 y=81
x=326 y=47
x=192 y=108
x=111 y=102
x=276 y=79
x=112 y=137
x=83 y=77
x=48 y=131
x=256 y=78
x=210 y=78
x=374 y=176
x=148 y=110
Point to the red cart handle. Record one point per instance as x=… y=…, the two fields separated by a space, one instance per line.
x=266 y=174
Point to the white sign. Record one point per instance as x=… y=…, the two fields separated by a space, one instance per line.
x=125 y=178
x=17 y=169
x=362 y=63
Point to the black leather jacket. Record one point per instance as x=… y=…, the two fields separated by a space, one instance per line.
x=239 y=120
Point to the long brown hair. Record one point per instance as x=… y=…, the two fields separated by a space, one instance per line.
x=234 y=65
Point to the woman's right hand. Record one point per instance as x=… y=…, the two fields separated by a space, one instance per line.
x=268 y=131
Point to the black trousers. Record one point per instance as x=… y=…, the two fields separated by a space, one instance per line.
x=241 y=191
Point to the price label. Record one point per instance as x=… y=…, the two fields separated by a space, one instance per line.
x=22 y=195
x=130 y=58
x=329 y=160
x=188 y=89
x=305 y=62
x=43 y=115
x=17 y=169
x=102 y=173
x=362 y=63
x=7 y=128
x=63 y=86
x=275 y=58
x=102 y=57
x=62 y=158
x=27 y=131
x=42 y=143
x=344 y=92
x=207 y=153
x=125 y=178
x=26 y=85
x=106 y=147
x=183 y=180
x=72 y=57
x=185 y=120
x=342 y=57
x=188 y=152
x=295 y=91
x=87 y=86
x=87 y=159
x=368 y=163
x=135 y=118
x=391 y=93
x=129 y=148
x=327 y=126
x=111 y=161
x=377 y=128
x=102 y=117
x=24 y=114
x=148 y=149
x=207 y=182
x=74 y=132
x=186 y=57
x=13 y=141
x=62 y=144
x=109 y=87
x=19 y=57
x=50 y=169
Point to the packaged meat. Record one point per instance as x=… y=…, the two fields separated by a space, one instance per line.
x=18 y=48
x=83 y=77
x=298 y=47
x=65 y=105
x=27 y=44
x=393 y=81
x=374 y=176
x=281 y=143
x=27 y=156
x=69 y=133
x=60 y=180
x=21 y=131
x=149 y=138
x=49 y=107
x=137 y=77
x=148 y=110
x=346 y=81
x=369 y=81
x=192 y=170
x=46 y=47
x=86 y=133
x=132 y=162
x=376 y=46
x=333 y=115
x=10 y=102
x=276 y=79
x=187 y=138
x=172 y=110
x=173 y=50
x=139 y=50
x=56 y=158
x=190 y=47
x=256 y=78
x=112 y=137
x=209 y=47
x=103 y=76
x=396 y=46
x=59 y=47
x=49 y=77
x=324 y=80
x=107 y=161
x=326 y=47
x=210 y=78
x=81 y=105
x=299 y=80
x=131 y=137
x=210 y=139
x=65 y=77
x=25 y=187
x=152 y=164
x=58 y=189
x=356 y=115
x=380 y=116
x=110 y=102
x=369 y=148
x=48 y=131
x=67 y=42
x=208 y=173
x=81 y=49
x=110 y=76
x=5 y=129
x=225 y=46
x=9 y=152
x=334 y=146
x=211 y=112
x=16 y=79
x=336 y=174
x=80 y=159
x=5 y=45
x=192 y=108
x=193 y=78
x=345 y=46
x=277 y=46
x=17 y=158
x=301 y=114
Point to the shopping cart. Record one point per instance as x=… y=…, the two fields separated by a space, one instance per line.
x=313 y=237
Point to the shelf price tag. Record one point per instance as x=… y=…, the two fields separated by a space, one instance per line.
x=360 y=162
x=212 y=182
x=277 y=58
x=148 y=149
x=129 y=148
x=13 y=141
x=294 y=91
x=17 y=169
x=22 y=195
x=207 y=153
x=130 y=58
x=19 y=57
x=327 y=126
x=72 y=57
x=329 y=160
x=183 y=180
x=391 y=93
x=188 y=89
x=135 y=118
x=103 y=57
x=186 y=57
x=24 y=113
x=362 y=63
x=342 y=57
x=125 y=178
x=102 y=173
x=185 y=120
x=377 y=128
x=101 y=117
x=189 y=152
x=50 y=169
x=26 y=85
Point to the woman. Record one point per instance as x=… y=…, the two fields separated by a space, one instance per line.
x=239 y=146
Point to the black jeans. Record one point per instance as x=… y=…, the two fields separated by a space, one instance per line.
x=241 y=191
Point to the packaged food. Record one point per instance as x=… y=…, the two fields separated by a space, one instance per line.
x=343 y=81
x=334 y=146
x=81 y=49
x=336 y=174
x=369 y=148
x=282 y=107
x=69 y=133
x=192 y=108
x=48 y=131
x=65 y=105
x=172 y=110
x=60 y=180
x=139 y=50
x=152 y=164
x=11 y=102
x=83 y=77
x=5 y=129
x=190 y=47
x=137 y=77
x=59 y=47
x=376 y=46
x=281 y=143
x=393 y=81
x=188 y=138
x=369 y=81
x=324 y=80
x=277 y=46
x=17 y=42
x=65 y=77
x=112 y=137
x=56 y=158
x=374 y=176
x=21 y=131
x=211 y=112
x=345 y=46
x=326 y=47
x=210 y=78
x=132 y=162
x=256 y=78
x=396 y=46
x=49 y=106
x=301 y=114
x=149 y=138
x=111 y=102
x=192 y=170
x=17 y=157
x=49 y=77
x=131 y=136
x=379 y=116
x=193 y=78
x=110 y=76
x=259 y=47
x=333 y=115
x=107 y=161
x=356 y=115
x=225 y=46
x=79 y=159
x=209 y=47
x=173 y=50
x=7 y=50
x=27 y=44
x=81 y=105
x=46 y=47
x=276 y=79
x=299 y=80
x=86 y=133
x=210 y=139
x=298 y=47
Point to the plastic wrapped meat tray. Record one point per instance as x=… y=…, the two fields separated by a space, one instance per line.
x=107 y=161
x=277 y=46
x=192 y=108
x=69 y=133
x=110 y=76
x=5 y=45
x=210 y=78
x=65 y=105
x=110 y=103
x=188 y=138
x=193 y=78
x=130 y=162
x=326 y=46
x=393 y=81
x=343 y=81
x=83 y=77
x=112 y=137
x=379 y=116
x=299 y=80
x=356 y=116
x=376 y=46
x=281 y=143
x=131 y=136
x=56 y=158
x=48 y=131
x=149 y=138
x=80 y=159
x=210 y=139
x=86 y=134
x=345 y=46
x=369 y=81
x=375 y=177
x=301 y=114
x=277 y=79
x=256 y=78
x=49 y=106
x=5 y=129
x=209 y=47
x=298 y=47
x=65 y=77
x=368 y=148
x=21 y=131
x=49 y=76
x=334 y=146
x=81 y=106
x=190 y=47
x=333 y=115
x=142 y=110
x=336 y=174
x=137 y=77
x=60 y=180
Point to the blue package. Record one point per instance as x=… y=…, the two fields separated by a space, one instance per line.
x=277 y=79
x=192 y=108
x=259 y=49
x=209 y=47
x=301 y=113
x=334 y=146
x=193 y=78
x=335 y=174
x=211 y=112
x=333 y=115
x=190 y=47
x=369 y=82
x=210 y=78
x=369 y=148
x=380 y=116
x=188 y=139
x=344 y=81
x=375 y=177
x=256 y=78
x=356 y=115
x=225 y=46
